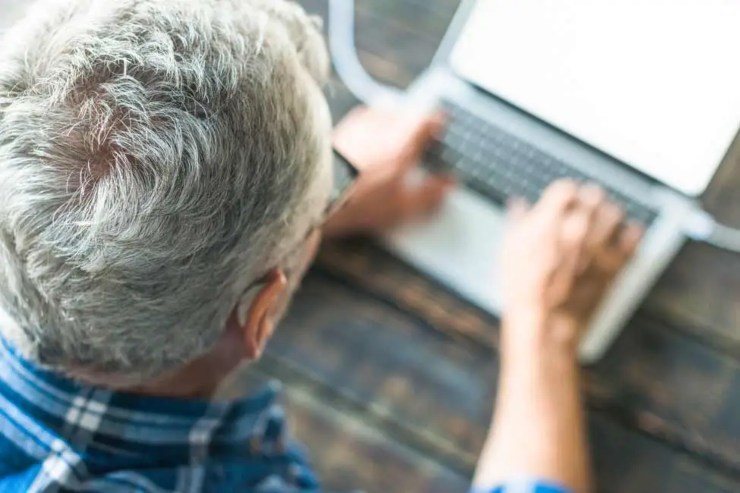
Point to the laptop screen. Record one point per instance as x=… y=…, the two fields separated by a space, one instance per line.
x=654 y=83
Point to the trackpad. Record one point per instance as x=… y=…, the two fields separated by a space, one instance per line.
x=459 y=246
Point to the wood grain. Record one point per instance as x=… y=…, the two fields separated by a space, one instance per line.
x=676 y=364
x=350 y=454
x=435 y=394
x=390 y=378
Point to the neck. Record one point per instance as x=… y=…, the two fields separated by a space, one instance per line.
x=200 y=378
x=197 y=380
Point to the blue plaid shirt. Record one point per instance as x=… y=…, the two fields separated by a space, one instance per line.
x=58 y=435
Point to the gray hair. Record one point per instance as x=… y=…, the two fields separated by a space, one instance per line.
x=153 y=154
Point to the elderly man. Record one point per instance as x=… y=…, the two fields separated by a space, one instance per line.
x=167 y=173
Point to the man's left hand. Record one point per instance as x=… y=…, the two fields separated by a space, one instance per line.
x=386 y=146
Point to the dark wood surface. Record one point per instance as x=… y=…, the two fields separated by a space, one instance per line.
x=390 y=379
x=380 y=343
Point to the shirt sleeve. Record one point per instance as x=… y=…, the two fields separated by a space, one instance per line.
x=525 y=486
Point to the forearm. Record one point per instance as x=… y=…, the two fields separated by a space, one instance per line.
x=538 y=428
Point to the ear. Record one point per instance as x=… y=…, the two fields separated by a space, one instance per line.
x=256 y=321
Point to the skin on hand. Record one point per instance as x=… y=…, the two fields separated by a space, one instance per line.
x=386 y=146
x=559 y=257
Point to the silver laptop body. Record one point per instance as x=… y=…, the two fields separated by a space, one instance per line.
x=460 y=246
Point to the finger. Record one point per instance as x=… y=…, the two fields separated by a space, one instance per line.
x=517 y=208
x=425 y=198
x=622 y=248
x=591 y=197
x=421 y=130
x=630 y=239
x=436 y=124
x=574 y=233
x=557 y=198
x=606 y=226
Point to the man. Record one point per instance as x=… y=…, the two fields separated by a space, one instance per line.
x=167 y=174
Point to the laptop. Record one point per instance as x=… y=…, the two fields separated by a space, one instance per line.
x=640 y=96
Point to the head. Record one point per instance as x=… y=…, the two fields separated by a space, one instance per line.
x=163 y=165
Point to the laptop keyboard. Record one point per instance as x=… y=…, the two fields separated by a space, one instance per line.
x=498 y=165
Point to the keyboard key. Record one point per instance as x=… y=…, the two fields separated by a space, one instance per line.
x=498 y=165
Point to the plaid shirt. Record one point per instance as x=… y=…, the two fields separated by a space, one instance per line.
x=524 y=486
x=59 y=435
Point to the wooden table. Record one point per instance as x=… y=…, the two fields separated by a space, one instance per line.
x=390 y=379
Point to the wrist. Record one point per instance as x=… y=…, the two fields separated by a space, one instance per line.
x=537 y=332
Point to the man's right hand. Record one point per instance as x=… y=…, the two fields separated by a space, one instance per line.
x=560 y=256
